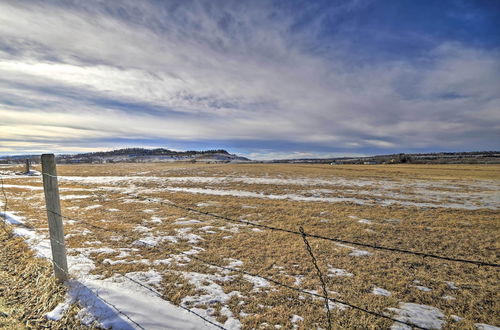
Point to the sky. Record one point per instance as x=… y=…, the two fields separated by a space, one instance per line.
x=263 y=79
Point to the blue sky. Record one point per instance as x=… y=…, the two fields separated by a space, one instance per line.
x=265 y=79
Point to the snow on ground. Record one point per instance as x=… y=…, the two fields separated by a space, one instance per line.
x=39 y=242
x=424 y=316
x=482 y=193
x=212 y=295
x=57 y=313
x=355 y=252
x=184 y=221
x=91 y=207
x=381 y=292
x=20 y=186
x=482 y=326
x=66 y=197
x=423 y=288
x=332 y=272
x=97 y=296
x=132 y=299
x=296 y=319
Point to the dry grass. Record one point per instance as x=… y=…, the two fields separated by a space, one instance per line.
x=461 y=233
x=28 y=290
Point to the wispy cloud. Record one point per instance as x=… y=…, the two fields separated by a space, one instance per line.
x=83 y=72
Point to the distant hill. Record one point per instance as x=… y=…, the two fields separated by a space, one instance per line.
x=138 y=155
x=475 y=157
x=141 y=155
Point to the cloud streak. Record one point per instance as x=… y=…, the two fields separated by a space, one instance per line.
x=225 y=71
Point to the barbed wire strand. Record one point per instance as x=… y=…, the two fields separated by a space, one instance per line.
x=320 y=275
x=333 y=239
x=258 y=276
x=4 y=223
x=109 y=230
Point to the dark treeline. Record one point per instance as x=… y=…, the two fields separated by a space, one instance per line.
x=148 y=152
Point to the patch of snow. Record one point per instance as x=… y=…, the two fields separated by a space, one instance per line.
x=456 y=318
x=139 y=304
x=295 y=319
x=91 y=207
x=151 y=277
x=298 y=280
x=451 y=285
x=381 y=292
x=141 y=229
x=17 y=186
x=336 y=305
x=66 y=197
x=206 y=204
x=11 y=218
x=58 y=312
x=365 y=221
x=423 y=288
x=211 y=294
x=483 y=326
x=337 y=272
x=425 y=316
x=156 y=219
x=183 y=234
x=184 y=221
x=234 y=263
x=257 y=282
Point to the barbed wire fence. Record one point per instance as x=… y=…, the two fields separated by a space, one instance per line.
x=301 y=233
x=5 y=202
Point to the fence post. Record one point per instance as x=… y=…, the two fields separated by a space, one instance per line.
x=53 y=205
x=27 y=165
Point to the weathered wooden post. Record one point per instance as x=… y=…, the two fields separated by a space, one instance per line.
x=27 y=165
x=53 y=205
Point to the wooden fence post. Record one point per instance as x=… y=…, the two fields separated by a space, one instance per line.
x=27 y=165
x=53 y=205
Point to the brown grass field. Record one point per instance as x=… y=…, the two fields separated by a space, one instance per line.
x=448 y=210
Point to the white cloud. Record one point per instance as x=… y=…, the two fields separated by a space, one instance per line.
x=192 y=78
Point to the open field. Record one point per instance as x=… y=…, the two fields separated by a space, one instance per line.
x=130 y=227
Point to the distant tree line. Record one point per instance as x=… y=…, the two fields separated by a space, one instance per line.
x=145 y=152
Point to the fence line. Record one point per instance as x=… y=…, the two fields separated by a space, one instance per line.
x=333 y=239
x=320 y=275
x=204 y=261
x=55 y=263
x=4 y=209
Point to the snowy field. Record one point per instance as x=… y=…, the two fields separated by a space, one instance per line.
x=132 y=243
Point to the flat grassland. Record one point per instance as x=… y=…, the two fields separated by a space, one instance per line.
x=130 y=226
